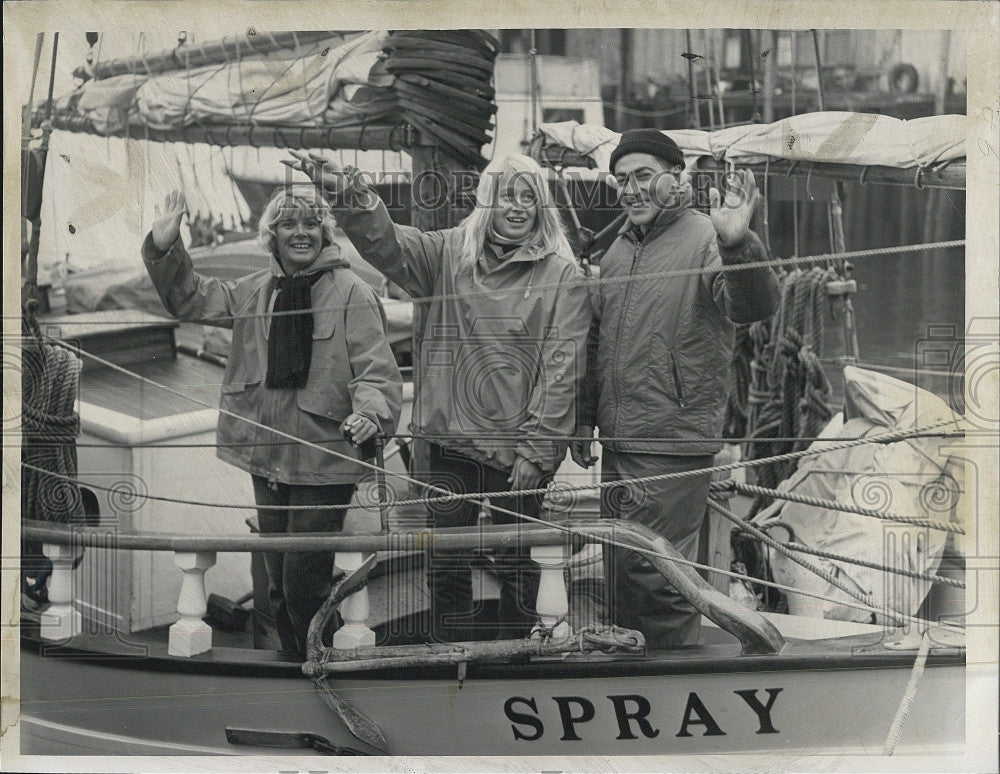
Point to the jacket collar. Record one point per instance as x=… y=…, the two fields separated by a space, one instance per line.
x=330 y=257
x=521 y=254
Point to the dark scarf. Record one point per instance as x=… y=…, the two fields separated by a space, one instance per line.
x=289 y=342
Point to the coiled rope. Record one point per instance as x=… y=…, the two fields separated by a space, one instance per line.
x=49 y=488
x=790 y=391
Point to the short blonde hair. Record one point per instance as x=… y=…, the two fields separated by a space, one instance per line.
x=297 y=200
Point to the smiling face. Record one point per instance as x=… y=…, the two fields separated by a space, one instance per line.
x=298 y=238
x=644 y=185
x=516 y=209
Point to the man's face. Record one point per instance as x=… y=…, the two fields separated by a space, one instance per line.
x=645 y=185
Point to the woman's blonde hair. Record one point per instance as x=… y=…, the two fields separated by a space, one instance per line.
x=294 y=200
x=547 y=233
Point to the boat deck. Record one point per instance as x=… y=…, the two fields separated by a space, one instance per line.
x=124 y=394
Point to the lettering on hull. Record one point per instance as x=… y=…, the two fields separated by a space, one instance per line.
x=632 y=716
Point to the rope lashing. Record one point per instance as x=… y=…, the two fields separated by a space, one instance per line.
x=833 y=505
x=745 y=526
x=560 y=490
x=915 y=574
x=602 y=281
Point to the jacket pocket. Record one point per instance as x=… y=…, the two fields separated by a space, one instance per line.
x=324 y=326
x=675 y=373
x=242 y=400
x=332 y=405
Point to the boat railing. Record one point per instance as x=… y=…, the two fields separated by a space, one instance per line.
x=550 y=546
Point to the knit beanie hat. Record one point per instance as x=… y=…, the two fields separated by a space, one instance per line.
x=651 y=141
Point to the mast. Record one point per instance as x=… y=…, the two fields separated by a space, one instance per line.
x=770 y=62
x=29 y=284
x=694 y=112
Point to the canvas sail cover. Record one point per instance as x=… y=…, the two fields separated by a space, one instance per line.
x=914 y=477
x=835 y=137
x=439 y=82
x=284 y=87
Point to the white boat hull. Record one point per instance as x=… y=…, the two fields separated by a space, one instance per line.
x=808 y=700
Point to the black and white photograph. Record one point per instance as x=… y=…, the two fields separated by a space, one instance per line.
x=421 y=393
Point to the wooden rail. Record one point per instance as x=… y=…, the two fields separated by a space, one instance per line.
x=194 y=555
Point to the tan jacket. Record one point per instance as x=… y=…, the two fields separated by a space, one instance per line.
x=352 y=367
x=499 y=349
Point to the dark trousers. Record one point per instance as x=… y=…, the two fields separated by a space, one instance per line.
x=638 y=596
x=450 y=577
x=299 y=581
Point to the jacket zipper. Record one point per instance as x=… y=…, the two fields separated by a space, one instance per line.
x=621 y=326
x=677 y=380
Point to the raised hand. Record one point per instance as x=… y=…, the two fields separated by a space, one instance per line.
x=325 y=173
x=167 y=225
x=731 y=216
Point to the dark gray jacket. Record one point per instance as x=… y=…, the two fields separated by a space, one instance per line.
x=658 y=358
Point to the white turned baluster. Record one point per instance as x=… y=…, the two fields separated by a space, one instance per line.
x=354 y=609
x=552 y=604
x=191 y=635
x=61 y=621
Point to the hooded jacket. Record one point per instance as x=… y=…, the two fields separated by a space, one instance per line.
x=352 y=367
x=659 y=351
x=499 y=348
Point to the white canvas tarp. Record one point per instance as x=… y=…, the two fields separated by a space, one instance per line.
x=291 y=87
x=863 y=139
x=914 y=478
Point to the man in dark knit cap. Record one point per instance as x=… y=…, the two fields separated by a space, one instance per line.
x=659 y=361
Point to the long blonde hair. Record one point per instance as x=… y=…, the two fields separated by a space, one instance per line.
x=548 y=232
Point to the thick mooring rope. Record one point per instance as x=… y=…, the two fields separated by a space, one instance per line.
x=49 y=490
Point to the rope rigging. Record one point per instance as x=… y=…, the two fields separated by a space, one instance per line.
x=481 y=497
x=790 y=391
x=263 y=539
x=562 y=489
x=50 y=490
x=822 y=258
